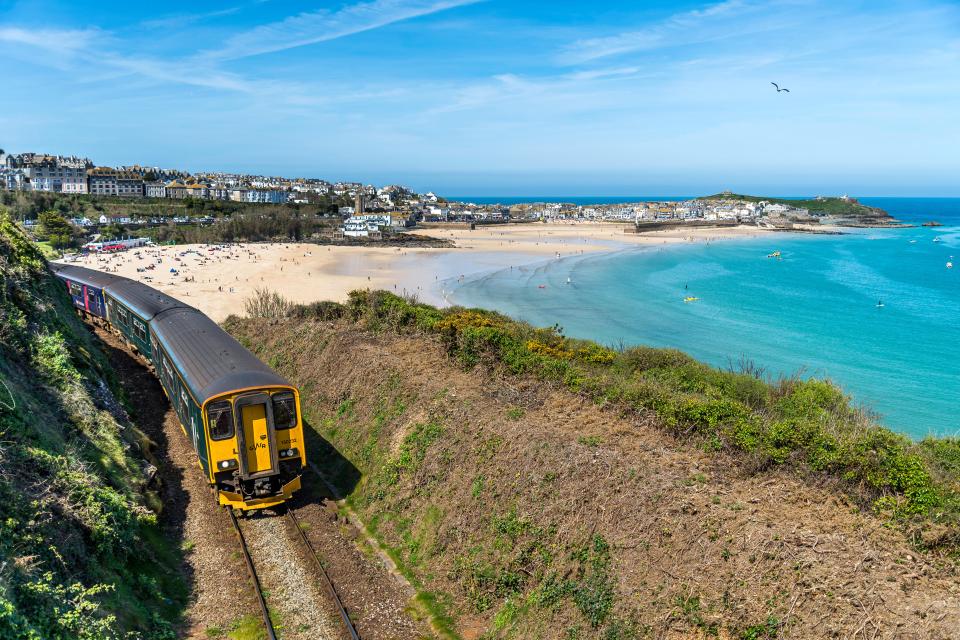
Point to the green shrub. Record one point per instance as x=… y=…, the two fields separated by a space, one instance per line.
x=325 y=310
x=52 y=358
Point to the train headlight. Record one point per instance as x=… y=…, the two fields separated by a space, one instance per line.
x=227 y=464
x=288 y=453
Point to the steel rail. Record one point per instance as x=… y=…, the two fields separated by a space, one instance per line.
x=271 y=634
x=332 y=590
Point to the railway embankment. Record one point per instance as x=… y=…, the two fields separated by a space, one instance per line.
x=82 y=551
x=529 y=485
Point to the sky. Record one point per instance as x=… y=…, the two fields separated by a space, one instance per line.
x=499 y=97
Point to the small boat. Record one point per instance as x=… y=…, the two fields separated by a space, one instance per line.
x=691 y=299
x=949 y=265
x=913 y=242
x=880 y=304
x=936 y=240
x=541 y=286
x=775 y=254
x=569 y=281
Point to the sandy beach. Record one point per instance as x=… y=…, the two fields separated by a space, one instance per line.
x=218 y=278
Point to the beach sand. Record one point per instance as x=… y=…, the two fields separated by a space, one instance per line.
x=217 y=279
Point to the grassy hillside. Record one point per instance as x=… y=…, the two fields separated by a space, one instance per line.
x=531 y=485
x=81 y=555
x=824 y=207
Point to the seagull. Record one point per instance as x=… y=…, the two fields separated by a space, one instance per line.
x=778 y=88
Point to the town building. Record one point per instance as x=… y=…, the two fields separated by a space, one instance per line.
x=155 y=189
x=129 y=184
x=55 y=174
x=102 y=181
x=176 y=190
x=266 y=196
x=13 y=179
x=362 y=226
x=196 y=190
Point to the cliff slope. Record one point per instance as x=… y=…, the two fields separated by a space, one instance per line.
x=81 y=555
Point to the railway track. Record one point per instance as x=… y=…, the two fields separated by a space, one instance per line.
x=264 y=612
x=328 y=583
x=346 y=625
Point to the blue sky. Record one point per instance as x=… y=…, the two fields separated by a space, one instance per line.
x=499 y=97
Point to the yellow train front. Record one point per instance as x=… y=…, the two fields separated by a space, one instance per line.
x=242 y=419
x=256 y=443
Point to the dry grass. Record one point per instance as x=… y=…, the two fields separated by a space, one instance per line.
x=267 y=304
x=572 y=520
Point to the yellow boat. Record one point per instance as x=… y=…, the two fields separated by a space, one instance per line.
x=775 y=254
x=690 y=299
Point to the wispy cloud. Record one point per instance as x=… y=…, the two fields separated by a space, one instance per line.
x=712 y=22
x=576 y=91
x=51 y=40
x=181 y=20
x=81 y=49
x=70 y=48
x=321 y=26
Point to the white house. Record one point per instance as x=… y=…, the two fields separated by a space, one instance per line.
x=363 y=226
x=776 y=208
x=266 y=196
x=12 y=179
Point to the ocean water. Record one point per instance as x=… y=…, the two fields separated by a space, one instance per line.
x=814 y=311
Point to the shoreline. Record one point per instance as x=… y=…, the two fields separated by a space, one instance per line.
x=218 y=278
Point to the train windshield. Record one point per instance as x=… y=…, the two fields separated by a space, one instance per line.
x=221 y=420
x=284 y=410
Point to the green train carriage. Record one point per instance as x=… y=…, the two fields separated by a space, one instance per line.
x=243 y=420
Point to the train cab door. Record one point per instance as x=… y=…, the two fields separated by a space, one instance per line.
x=257 y=433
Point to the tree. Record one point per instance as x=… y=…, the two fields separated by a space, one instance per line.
x=57 y=229
x=113 y=230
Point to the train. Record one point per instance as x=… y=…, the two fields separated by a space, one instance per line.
x=243 y=420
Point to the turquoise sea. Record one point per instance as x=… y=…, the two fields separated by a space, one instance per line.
x=814 y=311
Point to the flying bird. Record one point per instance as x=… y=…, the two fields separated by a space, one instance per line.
x=778 y=88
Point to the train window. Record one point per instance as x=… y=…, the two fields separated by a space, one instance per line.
x=220 y=415
x=123 y=315
x=75 y=289
x=284 y=410
x=139 y=330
